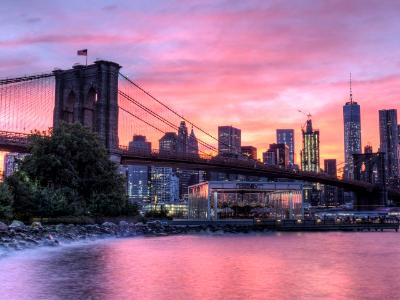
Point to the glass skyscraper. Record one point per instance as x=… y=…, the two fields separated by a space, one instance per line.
x=310 y=151
x=286 y=136
x=352 y=134
x=389 y=144
x=229 y=141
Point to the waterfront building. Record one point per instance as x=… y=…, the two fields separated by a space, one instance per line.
x=277 y=155
x=168 y=143
x=193 y=144
x=138 y=182
x=139 y=144
x=229 y=141
x=11 y=163
x=389 y=144
x=310 y=152
x=182 y=139
x=330 y=167
x=249 y=151
x=286 y=136
x=352 y=134
x=164 y=185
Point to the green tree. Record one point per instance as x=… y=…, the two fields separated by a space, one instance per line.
x=6 y=202
x=74 y=173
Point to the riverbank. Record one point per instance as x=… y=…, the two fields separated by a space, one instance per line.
x=18 y=236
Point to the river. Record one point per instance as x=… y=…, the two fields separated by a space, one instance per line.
x=234 y=266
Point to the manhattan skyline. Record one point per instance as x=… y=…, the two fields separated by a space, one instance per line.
x=191 y=57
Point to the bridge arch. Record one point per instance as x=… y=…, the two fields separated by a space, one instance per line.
x=88 y=108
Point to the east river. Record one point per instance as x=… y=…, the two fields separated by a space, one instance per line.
x=233 y=266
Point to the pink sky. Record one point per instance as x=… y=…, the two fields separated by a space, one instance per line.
x=251 y=64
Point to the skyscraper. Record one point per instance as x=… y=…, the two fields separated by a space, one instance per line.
x=182 y=140
x=193 y=144
x=389 y=143
x=330 y=167
x=164 y=185
x=286 y=136
x=310 y=152
x=352 y=134
x=168 y=143
x=229 y=141
x=277 y=155
x=138 y=180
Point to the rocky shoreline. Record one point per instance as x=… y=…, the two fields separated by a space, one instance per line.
x=18 y=236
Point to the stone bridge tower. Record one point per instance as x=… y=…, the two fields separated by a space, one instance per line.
x=89 y=95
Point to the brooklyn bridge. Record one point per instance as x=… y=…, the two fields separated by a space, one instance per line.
x=115 y=107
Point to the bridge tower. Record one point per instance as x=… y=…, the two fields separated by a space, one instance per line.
x=89 y=95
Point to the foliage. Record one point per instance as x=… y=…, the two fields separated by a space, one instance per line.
x=157 y=214
x=6 y=202
x=67 y=173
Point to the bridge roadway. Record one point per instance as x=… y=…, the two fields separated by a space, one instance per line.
x=18 y=142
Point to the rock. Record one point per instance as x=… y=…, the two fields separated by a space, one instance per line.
x=123 y=224
x=16 y=224
x=3 y=227
x=108 y=224
x=36 y=225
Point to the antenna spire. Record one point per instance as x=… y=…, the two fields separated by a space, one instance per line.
x=351 y=92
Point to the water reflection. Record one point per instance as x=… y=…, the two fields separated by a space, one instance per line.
x=268 y=266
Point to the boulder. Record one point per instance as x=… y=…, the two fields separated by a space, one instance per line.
x=16 y=224
x=108 y=224
x=36 y=225
x=123 y=224
x=3 y=227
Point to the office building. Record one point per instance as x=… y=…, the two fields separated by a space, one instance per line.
x=164 y=185
x=277 y=155
x=310 y=152
x=11 y=163
x=389 y=144
x=193 y=144
x=182 y=139
x=229 y=141
x=330 y=167
x=352 y=134
x=286 y=136
x=249 y=151
x=168 y=143
x=138 y=183
x=139 y=144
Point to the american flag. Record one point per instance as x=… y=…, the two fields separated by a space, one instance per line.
x=82 y=52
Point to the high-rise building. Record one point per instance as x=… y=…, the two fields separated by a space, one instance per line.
x=139 y=144
x=310 y=152
x=249 y=151
x=352 y=134
x=182 y=139
x=389 y=144
x=164 y=185
x=286 y=136
x=229 y=141
x=193 y=144
x=330 y=167
x=277 y=155
x=168 y=143
x=138 y=181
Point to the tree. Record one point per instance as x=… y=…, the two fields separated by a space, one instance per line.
x=6 y=202
x=74 y=173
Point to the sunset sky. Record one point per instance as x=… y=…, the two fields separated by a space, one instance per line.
x=251 y=64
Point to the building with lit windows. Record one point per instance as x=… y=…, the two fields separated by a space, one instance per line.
x=249 y=151
x=138 y=183
x=168 y=143
x=139 y=144
x=310 y=152
x=389 y=144
x=229 y=141
x=352 y=134
x=286 y=136
x=164 y=185
x=277 y=155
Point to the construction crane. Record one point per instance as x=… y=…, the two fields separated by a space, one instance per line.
x=308 y=115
